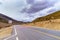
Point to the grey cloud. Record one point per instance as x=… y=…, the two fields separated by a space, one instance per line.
x=15 y=6
x=30 y=1
x=37 y=7
x=0 y=3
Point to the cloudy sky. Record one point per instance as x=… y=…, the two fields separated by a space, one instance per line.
x=28 y=10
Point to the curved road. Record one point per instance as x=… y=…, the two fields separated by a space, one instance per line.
x=32 y=33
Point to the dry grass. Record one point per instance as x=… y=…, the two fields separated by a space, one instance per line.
x=50 y=24
x=4 y=32
x=51 y=21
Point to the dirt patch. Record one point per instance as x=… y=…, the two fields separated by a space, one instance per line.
x=4 y=25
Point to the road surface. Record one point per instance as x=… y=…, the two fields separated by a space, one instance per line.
x=32 y=33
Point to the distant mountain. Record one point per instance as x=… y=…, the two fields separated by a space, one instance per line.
x=4 y=18
x=4 y=21
x=55 y=15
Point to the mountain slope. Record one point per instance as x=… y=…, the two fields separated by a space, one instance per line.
x=51 y=21
x=5 y=19
x=55 y=15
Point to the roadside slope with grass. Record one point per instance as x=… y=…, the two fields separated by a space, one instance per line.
x=5 y=32
x=51 y=21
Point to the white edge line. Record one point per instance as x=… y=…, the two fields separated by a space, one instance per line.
x=12 y=35
x=17 y=38
x=16 y=33
x=15 y=30
x=9 y=37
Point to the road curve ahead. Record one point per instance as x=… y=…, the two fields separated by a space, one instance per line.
x=31 y=33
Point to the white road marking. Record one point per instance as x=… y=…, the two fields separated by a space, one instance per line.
x=9 y=37
x=17 y=38
x=15 y=30
x=12 y=35
x=35 y=31
x=16 y=33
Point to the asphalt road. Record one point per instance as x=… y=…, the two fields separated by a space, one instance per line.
x=32 y=33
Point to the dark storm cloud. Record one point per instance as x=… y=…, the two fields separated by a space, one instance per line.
x=30 y=1
x=35 y=7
